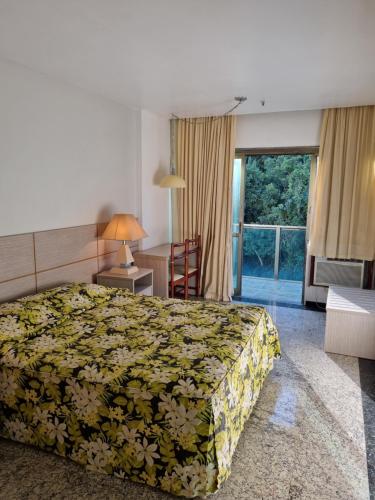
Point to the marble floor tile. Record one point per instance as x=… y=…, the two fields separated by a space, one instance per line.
x=311 y=435
x=367 y=376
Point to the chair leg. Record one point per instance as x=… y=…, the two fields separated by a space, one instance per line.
x=186 y=290
x=172 y=290
x=196 y=285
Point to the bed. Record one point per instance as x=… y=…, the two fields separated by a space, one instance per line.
x=149 y=389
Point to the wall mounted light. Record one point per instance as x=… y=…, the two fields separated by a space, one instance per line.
x=172 y=180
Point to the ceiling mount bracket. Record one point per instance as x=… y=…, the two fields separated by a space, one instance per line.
x=240 y=99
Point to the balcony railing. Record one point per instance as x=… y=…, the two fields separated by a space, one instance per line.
x=276 y=252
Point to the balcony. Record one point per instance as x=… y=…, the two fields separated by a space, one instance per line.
x=273 y=263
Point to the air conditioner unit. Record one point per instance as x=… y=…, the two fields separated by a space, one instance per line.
x=338 y=272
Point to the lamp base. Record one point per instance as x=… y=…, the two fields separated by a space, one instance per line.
x=124 y=271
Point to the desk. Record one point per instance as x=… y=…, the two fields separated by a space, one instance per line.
x=156 y=258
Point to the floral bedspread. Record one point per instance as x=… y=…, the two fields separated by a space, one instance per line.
x=149 y=389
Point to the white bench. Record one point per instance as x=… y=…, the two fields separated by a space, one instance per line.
x=350 y=326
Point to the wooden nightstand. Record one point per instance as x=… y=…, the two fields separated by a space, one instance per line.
x=140 y=283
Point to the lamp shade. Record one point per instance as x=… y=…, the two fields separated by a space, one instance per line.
x=172 y=181
x=124 y=227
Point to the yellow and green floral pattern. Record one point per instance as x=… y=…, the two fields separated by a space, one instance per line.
x=149 y=389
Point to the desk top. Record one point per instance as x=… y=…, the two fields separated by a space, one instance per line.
x=163 y=251
x=159 y=251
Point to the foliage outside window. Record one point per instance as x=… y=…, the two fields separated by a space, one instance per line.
x=276 y=193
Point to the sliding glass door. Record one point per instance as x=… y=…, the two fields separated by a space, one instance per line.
x=237 y=222
x=269 y=218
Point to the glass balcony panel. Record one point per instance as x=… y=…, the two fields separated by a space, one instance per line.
x=235 y=262
x=292 y=254
x=259 y=252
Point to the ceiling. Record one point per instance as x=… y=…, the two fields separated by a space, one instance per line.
x=190 y=57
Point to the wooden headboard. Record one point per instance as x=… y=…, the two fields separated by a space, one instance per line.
x=33 y=262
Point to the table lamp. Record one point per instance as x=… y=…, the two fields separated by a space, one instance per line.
x=124 y=227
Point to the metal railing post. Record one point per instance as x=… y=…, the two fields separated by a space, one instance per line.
x=277 y=253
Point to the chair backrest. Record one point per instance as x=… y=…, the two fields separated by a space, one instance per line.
x=179 y=255
x=193 y=246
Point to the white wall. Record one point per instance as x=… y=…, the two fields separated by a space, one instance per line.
x=155 y=159
x=67 y=157
x=270 y=130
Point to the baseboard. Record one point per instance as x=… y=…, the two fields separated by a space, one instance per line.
x=316 y=306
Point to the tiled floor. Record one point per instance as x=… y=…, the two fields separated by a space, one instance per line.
x=306 y=438
x=267 y=289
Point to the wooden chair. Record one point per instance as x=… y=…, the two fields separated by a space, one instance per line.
x=193 y=267
x=178 y=281
x=194 y=250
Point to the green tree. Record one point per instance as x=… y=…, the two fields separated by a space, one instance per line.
x=276 y=190
x=276 y=193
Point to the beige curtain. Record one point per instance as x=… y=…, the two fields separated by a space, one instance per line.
x=343 y=218
x=204 y=158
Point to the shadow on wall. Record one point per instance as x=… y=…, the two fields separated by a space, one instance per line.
x=161 y=172
x=105 y=213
